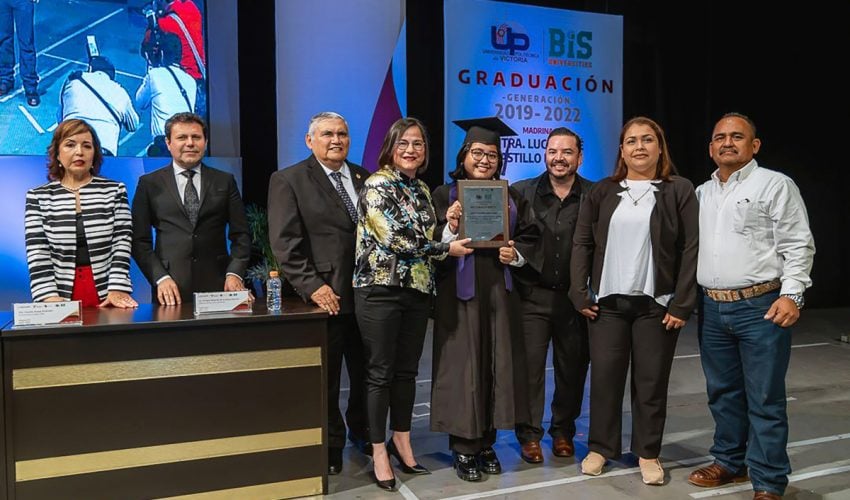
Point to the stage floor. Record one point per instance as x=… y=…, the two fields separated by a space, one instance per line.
x=818 y=406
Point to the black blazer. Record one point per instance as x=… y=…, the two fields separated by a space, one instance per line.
x=195 y=257
x=673 y=230
x=310 y=230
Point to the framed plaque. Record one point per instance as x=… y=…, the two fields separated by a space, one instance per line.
x=486 y=217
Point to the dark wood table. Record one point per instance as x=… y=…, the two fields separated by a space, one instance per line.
x=155 y=403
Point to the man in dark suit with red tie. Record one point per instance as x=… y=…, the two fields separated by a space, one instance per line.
x=312 y=223
x=194 y=209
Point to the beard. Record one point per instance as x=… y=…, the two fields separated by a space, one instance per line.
x=567 y=171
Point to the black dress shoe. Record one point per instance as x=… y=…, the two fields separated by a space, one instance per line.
x=362 y=445
x=466 y=467
x=388 y=485
x=489 y=462
x=334 y=461
x=416 y=469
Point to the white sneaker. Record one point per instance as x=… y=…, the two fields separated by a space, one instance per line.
x=592 y=464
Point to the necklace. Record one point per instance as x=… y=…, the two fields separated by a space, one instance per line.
x=629 y=194
x=76 y=189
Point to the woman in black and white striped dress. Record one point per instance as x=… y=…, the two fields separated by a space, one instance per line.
x=78 y=226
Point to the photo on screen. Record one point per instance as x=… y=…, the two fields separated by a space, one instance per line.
x=123 y=66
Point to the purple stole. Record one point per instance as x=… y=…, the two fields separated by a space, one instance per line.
x=465 y=269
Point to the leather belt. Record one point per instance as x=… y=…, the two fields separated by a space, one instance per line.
x=732 y=295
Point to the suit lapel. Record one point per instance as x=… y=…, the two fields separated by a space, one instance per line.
x=606 y=211
x=206 y=184
x=357 y=178
x=608 y=205
x=171 y=187
x=661 y=199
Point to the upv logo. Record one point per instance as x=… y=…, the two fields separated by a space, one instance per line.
x=503 y=37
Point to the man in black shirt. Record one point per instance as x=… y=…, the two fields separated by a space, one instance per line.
x=547 y=313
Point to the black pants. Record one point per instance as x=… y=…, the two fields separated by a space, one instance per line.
x=344 y=342
x=548 y=315
x=629 y=328
x=392 y=321
x=472 y=446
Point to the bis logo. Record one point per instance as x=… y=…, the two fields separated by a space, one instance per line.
x=570 y=44
x=504 y=37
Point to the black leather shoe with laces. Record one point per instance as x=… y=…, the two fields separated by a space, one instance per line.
x=466 y=467
x=489 y=462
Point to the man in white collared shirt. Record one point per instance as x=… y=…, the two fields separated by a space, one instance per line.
x=755 y=256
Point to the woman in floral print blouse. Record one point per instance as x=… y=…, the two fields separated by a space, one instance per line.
x=393 y=286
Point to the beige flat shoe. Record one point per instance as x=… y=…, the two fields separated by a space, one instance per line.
x=650 y=469
x=592 y=464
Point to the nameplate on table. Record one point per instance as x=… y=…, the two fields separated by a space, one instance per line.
x=48 y=313
x=220 y=302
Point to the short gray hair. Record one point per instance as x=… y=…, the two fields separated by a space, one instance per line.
x=324 y=115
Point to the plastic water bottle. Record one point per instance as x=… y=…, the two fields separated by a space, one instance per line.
x=273 y=292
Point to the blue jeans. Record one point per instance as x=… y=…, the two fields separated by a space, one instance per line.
x=745 y=358
x=16 y=16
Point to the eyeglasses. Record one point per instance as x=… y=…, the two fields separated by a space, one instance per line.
x=417 y=145
x=478 y=155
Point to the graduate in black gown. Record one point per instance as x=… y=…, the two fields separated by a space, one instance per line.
x=479 y=360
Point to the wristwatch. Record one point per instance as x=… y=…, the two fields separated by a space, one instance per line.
x=797 y=298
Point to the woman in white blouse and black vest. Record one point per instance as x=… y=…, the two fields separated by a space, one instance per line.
x=78 y=225
x=633 y=274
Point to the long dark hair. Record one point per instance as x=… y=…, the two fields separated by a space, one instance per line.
x=663 y=169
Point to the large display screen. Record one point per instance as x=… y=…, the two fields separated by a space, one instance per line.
x=122 y=66
x=365 y=82
x=536 y=69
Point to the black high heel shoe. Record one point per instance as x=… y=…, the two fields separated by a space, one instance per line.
x=388 y=485
x=416 y=470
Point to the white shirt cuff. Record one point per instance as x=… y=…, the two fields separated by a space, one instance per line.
x=519 y=261
x=792 y=287
x=448 y=235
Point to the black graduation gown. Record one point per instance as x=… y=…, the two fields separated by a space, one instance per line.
x=479 y=374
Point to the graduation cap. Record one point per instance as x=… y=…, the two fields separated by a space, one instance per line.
x=485 y=130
